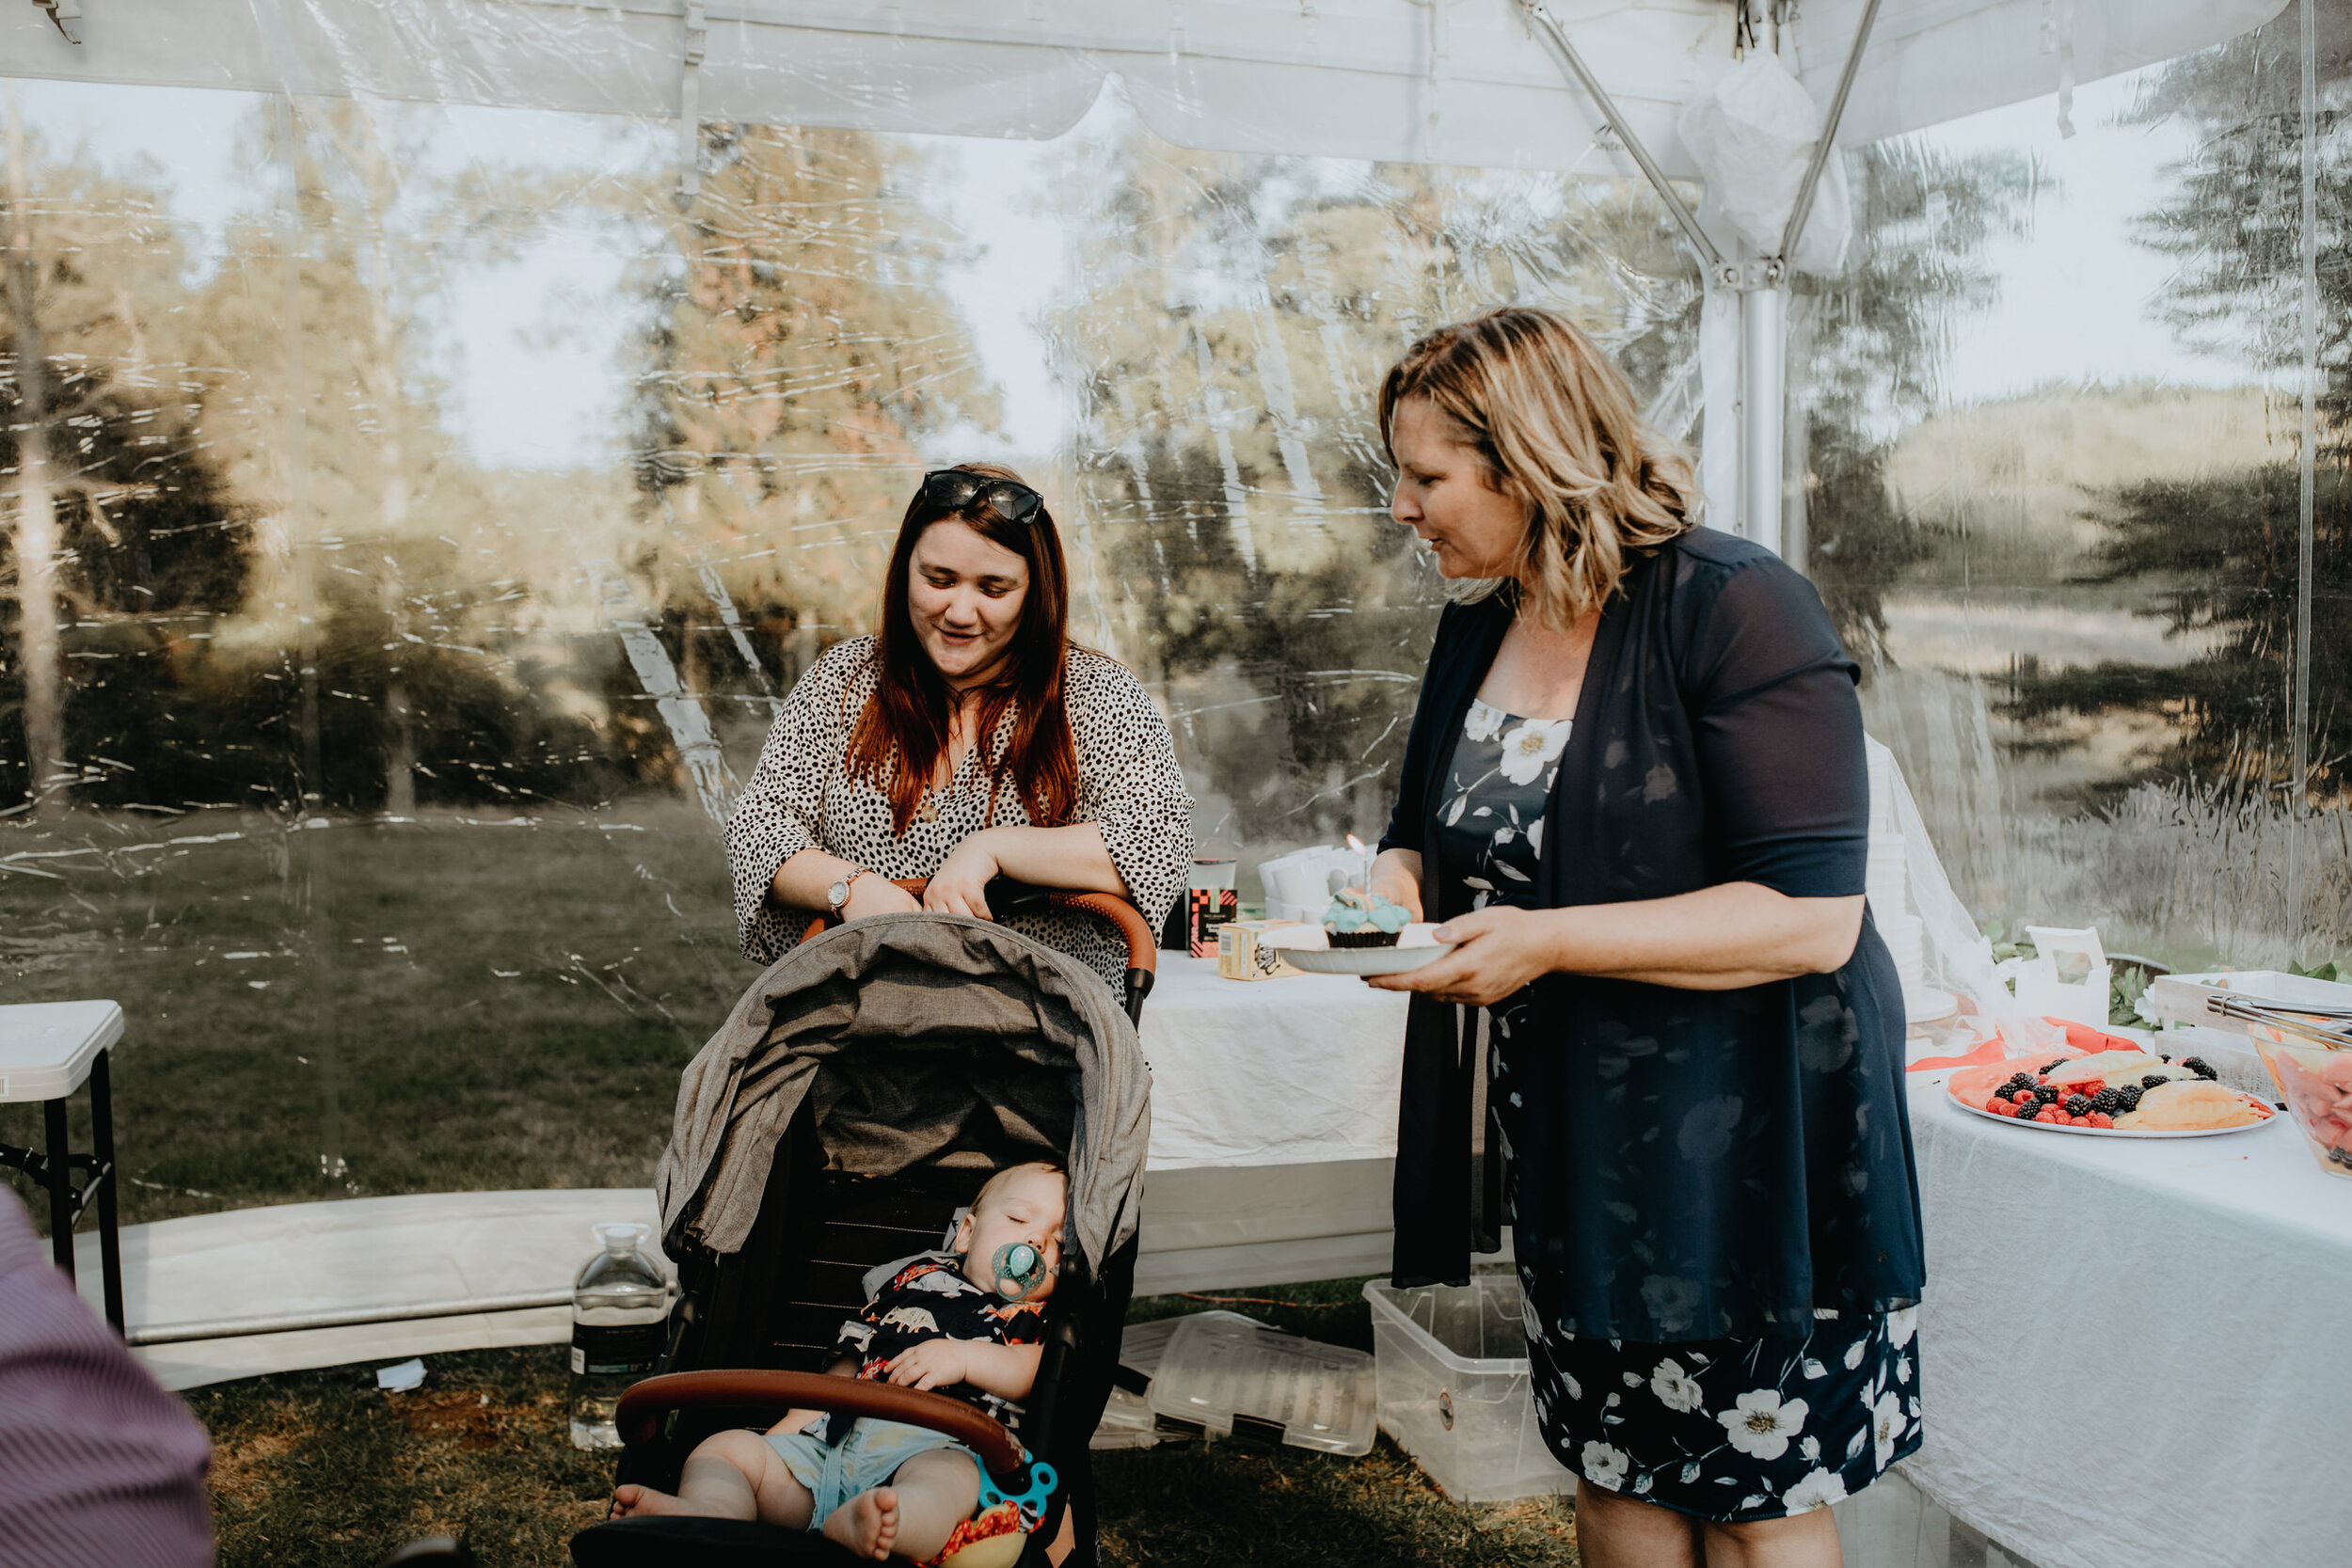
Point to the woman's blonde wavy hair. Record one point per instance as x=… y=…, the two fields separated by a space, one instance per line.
x=1556 y=425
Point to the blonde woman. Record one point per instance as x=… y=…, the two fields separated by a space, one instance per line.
x=1634 y=794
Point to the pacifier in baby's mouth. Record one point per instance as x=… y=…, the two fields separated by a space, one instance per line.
x=1018 y=1268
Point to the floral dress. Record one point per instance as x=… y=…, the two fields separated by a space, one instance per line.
x=1779 y=1423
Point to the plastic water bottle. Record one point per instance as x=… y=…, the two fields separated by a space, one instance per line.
x=620 y=1324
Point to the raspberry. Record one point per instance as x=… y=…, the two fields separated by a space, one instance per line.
x=2022 y=1097
x=2099 y=1118
x=2050 y=1114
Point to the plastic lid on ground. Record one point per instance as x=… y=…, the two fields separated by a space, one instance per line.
x=1241 y=1379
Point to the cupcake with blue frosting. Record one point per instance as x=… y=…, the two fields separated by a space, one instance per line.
x=1360 y=919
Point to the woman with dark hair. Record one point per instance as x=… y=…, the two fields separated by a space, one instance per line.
x=969 y=739
x=1635 y=793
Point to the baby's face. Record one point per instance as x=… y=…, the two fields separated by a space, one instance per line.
x=1028 y=1209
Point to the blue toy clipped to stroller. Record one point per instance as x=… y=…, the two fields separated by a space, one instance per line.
x=856 y=1098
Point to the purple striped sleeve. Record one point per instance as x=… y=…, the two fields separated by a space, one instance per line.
x=98 y=1466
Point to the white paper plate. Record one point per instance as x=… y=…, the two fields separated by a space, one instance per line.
x=1308 y=948
x=1364 y=960
x=2276 y=1114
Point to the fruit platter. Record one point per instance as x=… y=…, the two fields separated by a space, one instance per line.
x=2116 y=1094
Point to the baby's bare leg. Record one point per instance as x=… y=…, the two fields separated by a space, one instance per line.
x=913 y=1516
x=734 y=1475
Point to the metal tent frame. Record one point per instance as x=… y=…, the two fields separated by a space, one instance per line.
x=1424 y=81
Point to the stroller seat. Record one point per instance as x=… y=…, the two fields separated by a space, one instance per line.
x=856 y=1099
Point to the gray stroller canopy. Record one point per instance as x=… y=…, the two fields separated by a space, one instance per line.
x=917 y=1038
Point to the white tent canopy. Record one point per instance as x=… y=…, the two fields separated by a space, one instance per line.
x=1431 y=81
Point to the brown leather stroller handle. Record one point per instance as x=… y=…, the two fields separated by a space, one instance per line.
x=1142 y=942
x=639 y=1414
x=1143 y=946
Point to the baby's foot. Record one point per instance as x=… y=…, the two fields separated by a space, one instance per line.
x=868 y=1524
x=633 y=1501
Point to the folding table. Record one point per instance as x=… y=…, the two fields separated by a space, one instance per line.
x=47 y=1048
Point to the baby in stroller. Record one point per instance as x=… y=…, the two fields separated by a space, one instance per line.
x=970 y=1325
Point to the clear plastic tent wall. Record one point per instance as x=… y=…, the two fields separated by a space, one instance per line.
x=417 y=510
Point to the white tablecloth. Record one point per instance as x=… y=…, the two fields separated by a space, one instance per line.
x=2135 y=1353
x=1270 y=1072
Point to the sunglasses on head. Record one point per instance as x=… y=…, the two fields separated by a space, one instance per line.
x=958 y=489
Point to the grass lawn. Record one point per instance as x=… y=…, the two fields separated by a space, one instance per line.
x=444 y=1006
x=454 y=1005
x=321 y=1468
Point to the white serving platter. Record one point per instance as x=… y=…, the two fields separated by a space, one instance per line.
x=2276 y=1114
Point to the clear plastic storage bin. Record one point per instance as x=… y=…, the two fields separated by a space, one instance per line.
x=1226 y=1378
x=1450 y=1363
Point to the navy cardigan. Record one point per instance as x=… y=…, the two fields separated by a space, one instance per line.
x=1691 y=1165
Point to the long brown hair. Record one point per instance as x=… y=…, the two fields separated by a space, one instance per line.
x=1557 y=427
x=903 y=733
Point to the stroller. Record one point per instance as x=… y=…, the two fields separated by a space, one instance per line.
x=856 y=1098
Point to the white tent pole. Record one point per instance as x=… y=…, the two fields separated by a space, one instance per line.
x=1648 y=165
x=1763 y=348
x=1764 y=333
x=1803 y=208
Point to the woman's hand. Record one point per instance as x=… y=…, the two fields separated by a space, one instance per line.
x=956 y=887
x=1498 y=951
x=874 y=893
x=1396 y=876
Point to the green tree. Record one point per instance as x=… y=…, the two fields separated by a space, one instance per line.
x=802 y=347
x=395 y=586
x=117 y=518
x=2221 y=556
x=1235 y=318
x=1867 y=346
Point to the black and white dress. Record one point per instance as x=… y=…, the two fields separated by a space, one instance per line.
x=800 y=798
x=1782 y=1422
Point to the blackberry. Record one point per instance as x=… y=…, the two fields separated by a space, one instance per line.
x=2045 y=1093
x=2050 y=1064
x=2128 y=1097
x=2106 y=1099
x=2165 y=1059
x=2017 y=1081
x=2077 y=1106
x=2153 y=1080
x=2196 y=1065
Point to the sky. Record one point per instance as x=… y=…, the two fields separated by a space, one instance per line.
x=535 y=348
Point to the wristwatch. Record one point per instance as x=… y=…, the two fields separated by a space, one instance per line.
x=838 y=895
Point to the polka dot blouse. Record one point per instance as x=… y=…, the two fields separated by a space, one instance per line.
x=799 y=797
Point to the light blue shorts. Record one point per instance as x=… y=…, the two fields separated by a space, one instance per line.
x=868 y=1457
